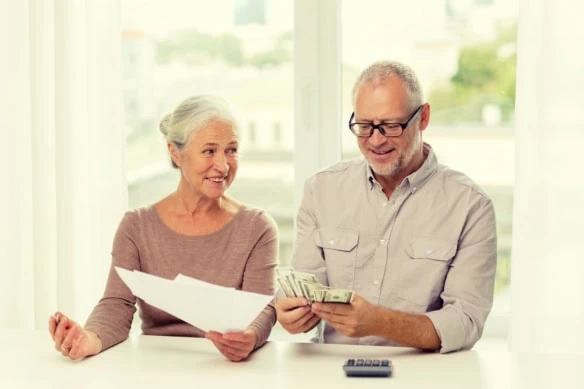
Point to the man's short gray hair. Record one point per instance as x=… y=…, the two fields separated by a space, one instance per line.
x=380 y=71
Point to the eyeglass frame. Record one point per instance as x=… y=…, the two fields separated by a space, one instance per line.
x=403 y=125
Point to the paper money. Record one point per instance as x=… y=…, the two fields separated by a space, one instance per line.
x=299 y=284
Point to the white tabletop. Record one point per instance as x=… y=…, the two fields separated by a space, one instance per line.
x=27 y=359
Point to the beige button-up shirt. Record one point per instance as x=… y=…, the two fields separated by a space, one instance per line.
x=429 y=249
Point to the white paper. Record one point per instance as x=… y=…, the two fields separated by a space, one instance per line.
x=193 y=281
x=203 y=305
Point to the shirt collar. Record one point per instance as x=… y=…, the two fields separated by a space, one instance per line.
x=417 y=178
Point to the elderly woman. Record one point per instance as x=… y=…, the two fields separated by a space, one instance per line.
x=197 y=230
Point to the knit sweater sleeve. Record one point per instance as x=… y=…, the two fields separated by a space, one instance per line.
x=259 y=274
x=111 y=319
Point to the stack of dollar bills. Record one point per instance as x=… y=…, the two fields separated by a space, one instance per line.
x=298 y=284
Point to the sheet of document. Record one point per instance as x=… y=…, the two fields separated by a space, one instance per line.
x=203 y=305
x=193 y=281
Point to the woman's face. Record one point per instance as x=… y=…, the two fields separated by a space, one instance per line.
x=208 y=162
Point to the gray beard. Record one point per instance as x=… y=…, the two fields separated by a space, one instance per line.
x=388 y=170
x=397 y=167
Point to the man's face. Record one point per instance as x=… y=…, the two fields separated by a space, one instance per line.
x=387 y=101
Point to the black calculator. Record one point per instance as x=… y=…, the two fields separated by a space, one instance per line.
x=368 y=368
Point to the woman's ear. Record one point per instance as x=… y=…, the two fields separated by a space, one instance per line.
x=174 y=154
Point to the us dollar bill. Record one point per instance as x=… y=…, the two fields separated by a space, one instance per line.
x=300 y=284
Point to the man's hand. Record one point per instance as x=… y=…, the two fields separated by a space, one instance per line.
x=234 y=345
x=294 y=315
x=354 y=320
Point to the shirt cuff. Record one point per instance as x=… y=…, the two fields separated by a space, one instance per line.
x=450 y=329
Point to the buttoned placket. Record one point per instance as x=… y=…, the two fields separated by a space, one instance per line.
x=387 y=212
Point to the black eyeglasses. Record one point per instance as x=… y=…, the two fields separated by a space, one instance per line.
x=365 y=129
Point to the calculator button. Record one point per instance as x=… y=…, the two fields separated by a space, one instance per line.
x=376 y=362
x=368 y=362
x=351 y=362
x=385 y=362
x=359 y=362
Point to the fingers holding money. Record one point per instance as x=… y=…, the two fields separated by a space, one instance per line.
x=302 y=289
x=300 y=284
x=294 y=315
x=303 y=323
x=337 y=315
x=313 y=321
x=333 y=309
x=330 y=314
x=354 y=320
x=290 y=303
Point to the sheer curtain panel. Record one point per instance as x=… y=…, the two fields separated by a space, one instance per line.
x=547 y=273
x=62 y=155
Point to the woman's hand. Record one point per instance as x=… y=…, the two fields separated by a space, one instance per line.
x=71 y=339
x=236 y=346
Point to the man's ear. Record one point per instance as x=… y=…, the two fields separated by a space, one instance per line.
x=425 y=117
x=173 y=151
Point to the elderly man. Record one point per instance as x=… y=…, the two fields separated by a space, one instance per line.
x=415 y=240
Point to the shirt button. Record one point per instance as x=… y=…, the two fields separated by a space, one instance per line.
x=384 y=204
x=413 y=190
x=428 y=252
x=331 y=241
x=375 y=282
x=382 y=241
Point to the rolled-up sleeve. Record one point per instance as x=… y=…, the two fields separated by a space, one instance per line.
x=468 y=290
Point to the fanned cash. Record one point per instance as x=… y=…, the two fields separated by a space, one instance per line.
x=298 y=284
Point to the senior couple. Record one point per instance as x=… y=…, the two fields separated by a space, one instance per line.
x=414 y=239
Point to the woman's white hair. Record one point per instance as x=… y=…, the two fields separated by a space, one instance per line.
x=380 y=71
x=193 y=114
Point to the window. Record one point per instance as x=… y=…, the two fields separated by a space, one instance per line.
x=251 y=134
x=241 y=50
x=277 y=134
x=463 y=51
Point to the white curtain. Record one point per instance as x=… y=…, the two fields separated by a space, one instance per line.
x=62 y=155
x=547 y=274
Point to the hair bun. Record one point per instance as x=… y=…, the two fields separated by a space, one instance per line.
x=165 y=123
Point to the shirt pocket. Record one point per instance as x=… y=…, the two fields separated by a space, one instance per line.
x=339 y=250
x=424 y=269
